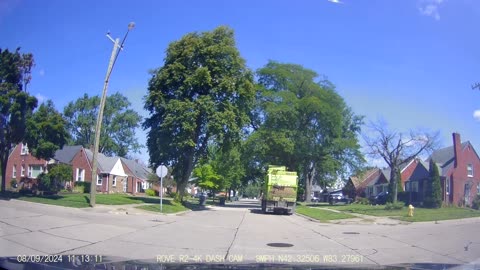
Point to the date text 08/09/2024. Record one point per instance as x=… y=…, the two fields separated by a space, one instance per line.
x=284 y=258
x=60 y=258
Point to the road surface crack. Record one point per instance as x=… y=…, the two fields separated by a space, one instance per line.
x=235 y=235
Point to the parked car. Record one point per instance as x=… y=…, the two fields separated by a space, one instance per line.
x=314 y=199
x=381 y=198
x=339 y=198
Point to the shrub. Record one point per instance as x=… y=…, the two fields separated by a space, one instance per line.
x=175 y=196
x=394 y=206
x=13 y=183
x=476 y=202
x=150 y=192
x=82 y=187
x=361 y=200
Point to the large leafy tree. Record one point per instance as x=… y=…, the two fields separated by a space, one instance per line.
x=301 y=122
x=46 y=131
x=397 y=148
x=15 y=103
x=203 y=93
x=118 y=128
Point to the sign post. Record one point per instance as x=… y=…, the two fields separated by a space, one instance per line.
x=161 y=172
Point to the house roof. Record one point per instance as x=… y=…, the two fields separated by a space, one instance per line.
x=67 y=153
x=105 y=164
x=445 y=155
x=420 y=172
x=136 y=168
x=360 y=179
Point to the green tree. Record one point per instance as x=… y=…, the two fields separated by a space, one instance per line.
x=15 y=103
x=227 y=163
x=301 y=122
x=397 y=149
x=46 y=131
x=57 y=175
x=207 y=178
x=203 y=93
x=118 y=128
x=434 y=188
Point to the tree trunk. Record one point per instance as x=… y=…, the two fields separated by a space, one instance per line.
x=393 y=185
x=3 y=169
x=309 y=175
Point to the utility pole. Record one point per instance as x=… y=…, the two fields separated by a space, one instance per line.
x=98 y=127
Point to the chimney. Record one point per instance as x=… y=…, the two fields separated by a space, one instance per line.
x=457 y=145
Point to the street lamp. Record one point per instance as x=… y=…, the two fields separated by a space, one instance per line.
x=113 y=58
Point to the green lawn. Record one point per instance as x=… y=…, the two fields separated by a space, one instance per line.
x=321 y=214
x=82 y=200
x=169 y=207
x=420 y=214
x=424 y=214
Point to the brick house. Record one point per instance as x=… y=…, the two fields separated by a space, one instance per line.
x=459 y=166
x=23 y=167
x=111 y=177
x=374 y=181
x=137 y=176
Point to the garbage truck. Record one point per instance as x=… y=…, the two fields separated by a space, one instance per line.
x=279 y=193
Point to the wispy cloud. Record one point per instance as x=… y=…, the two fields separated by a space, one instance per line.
x=42 y=72
x=335 y=1
x=476 y=114
x=430 y=8
x=41 y=98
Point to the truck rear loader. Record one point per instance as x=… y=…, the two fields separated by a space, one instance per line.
x=279 y=191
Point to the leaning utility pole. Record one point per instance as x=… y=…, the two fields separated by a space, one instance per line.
x=98 y=127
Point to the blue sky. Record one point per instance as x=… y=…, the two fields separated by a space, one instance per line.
x=410 y=62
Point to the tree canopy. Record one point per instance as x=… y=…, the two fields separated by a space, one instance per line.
x=202 y=93
x=117 y=136
x=302 y=122
x=15 y=102
x=46 y=131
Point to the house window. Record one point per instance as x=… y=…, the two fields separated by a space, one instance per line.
x=114 y=180
x=470 y=170
x=411 y=186
x=14 y=172
x=447 y=185
x=80 y=175
x=24 y=150
x=34 y=170
x=22 y=173
x=99 y=180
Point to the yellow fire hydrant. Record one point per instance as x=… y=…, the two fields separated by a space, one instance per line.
x=410 y=210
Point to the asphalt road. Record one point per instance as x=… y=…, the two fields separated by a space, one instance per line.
x=234 y=233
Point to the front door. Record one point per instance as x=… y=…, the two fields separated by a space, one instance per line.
x=125 y=185
x=467 y=194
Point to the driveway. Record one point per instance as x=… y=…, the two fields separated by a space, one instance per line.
x=237 y=232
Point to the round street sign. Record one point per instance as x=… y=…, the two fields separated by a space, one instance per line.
x=161 y=171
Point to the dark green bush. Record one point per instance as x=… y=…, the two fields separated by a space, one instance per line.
x=361 y=200
x=82 y=187
x=394 y=206
x=150 y=192
x=476 y=202
x=13 y=183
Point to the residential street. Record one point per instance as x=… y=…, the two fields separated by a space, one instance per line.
x=235 y=233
